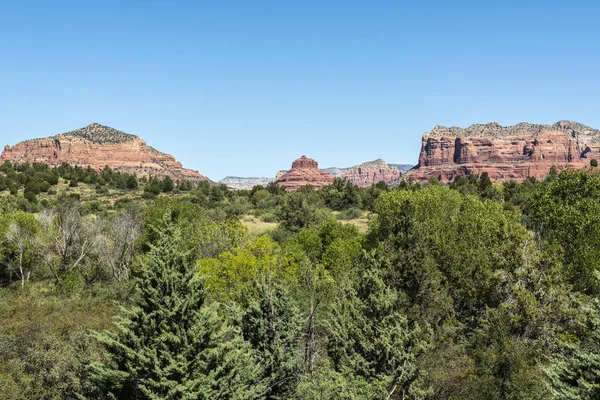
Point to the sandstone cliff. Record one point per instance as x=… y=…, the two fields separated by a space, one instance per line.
x=511 y=152
x=368 y=173
x=305 y=171
x=97 y=146
x=402 y=167
x=372 y=172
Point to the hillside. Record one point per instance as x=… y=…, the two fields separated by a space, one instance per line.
x=97 y=146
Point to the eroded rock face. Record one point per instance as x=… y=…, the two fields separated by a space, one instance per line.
x=369 y=173
x=305 y=171
x=97 y=146
x=372 y=172
x=512 y=152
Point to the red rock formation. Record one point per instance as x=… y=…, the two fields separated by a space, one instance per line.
x=512 y=152
x=368 y=173
x=305 y=171
x=98 y=146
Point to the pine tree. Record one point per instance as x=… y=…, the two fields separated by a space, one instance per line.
x=271 y=323
x=575 y=370
x=173 y=345
x=370 y=342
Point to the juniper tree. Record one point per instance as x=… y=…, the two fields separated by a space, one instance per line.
x=574 y=372
x=173 y=345
x=271 y=323
x=371 y=343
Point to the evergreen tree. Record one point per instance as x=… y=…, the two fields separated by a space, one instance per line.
x=575 y=371
x=173 y=345
x=167 y=184
x=371 y=343
x=271 y=323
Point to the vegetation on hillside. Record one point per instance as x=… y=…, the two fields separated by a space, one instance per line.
x=101 y=134
x=158 y=290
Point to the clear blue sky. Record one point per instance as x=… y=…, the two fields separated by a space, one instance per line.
x=245 y=87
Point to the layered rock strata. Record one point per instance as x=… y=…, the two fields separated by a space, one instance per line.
x=97 y=146
x=372 y=172
x=305 y=171
x=511 y=152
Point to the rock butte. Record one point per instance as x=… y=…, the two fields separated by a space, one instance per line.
x=97 y=146
x=511 y=152
x=305 y=171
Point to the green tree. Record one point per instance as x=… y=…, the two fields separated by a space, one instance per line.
x=467 y=266
x=575 y=369
x=167 y=185
x=271 y=323
x=301 y=209
x=228 y=275
x=371 y=342
x=173 y=345
x=19 y=235
x=565 y=212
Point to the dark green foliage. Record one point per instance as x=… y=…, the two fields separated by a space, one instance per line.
x=371 y=343
x=593 y=163
x=474 y=185
x=167 y=185
x=566 y=212
x=173 y=345
x=271 y=324
x=446 y=244
x=575 y=370
x=97 y=133
x=341 y=195
x=301 y=209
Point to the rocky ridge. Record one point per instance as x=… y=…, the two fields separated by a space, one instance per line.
x=511 y=152
x=305 y=171
x=97 y=146
x=369 y=173
x=241 y=183
x=402 y=167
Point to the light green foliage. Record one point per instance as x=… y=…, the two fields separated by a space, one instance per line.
x=201 y=235
x=229 y=274
x=173 y=345
x=318 y=262
x=332 y=245
x=448 y=296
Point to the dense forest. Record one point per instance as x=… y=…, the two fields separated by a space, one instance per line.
x=114 y=287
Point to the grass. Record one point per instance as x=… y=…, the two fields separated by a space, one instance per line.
x=255 y=226
x=362 y=222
